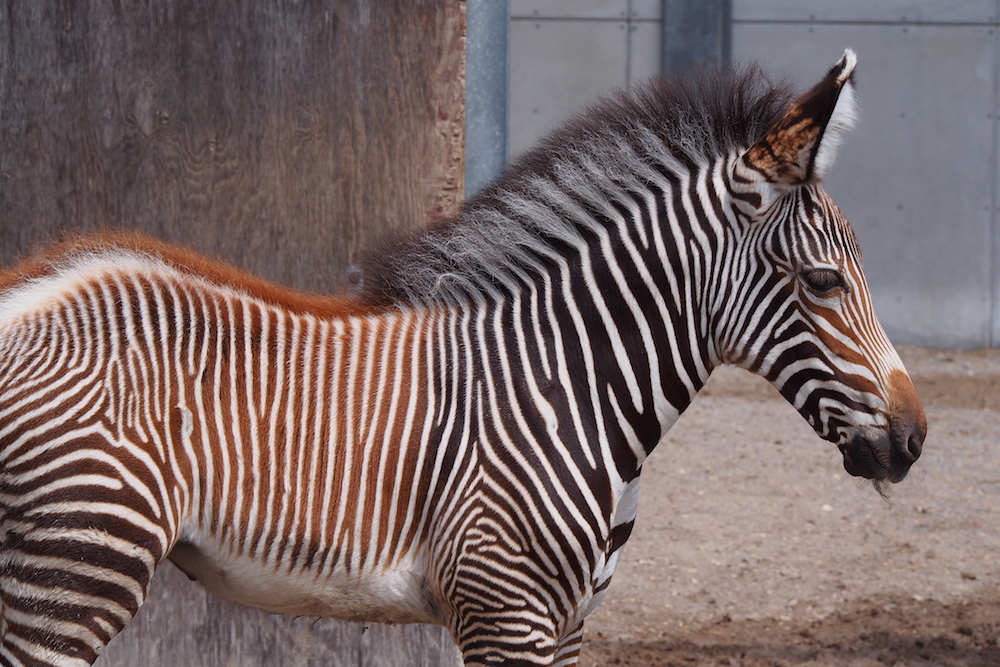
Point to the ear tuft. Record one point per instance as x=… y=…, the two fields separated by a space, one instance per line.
x=802 y=144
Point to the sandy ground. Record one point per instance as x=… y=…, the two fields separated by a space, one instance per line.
x=753 y=547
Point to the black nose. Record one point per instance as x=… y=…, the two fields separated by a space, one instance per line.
x=907 y=425
x=885 y=454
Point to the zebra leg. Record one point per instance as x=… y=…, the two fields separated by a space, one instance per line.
x=501 y=613
x=491 y=641
x=69 y=584
x=77 y=552
x=568 y=651
x=504 y=639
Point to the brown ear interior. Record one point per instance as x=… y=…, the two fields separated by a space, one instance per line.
x=787 y=153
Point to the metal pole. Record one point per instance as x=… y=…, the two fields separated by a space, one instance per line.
x=487 y=59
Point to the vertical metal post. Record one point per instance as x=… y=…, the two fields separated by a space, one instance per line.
x=696 y=32
x=487 y=77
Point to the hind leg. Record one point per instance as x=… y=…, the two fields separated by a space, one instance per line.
x=69 y=583
x=77 y=551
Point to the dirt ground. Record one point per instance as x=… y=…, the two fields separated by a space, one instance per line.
x=753 y=547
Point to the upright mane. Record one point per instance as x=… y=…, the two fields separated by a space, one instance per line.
x=707 y=113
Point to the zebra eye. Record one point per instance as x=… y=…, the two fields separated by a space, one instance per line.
x=822 y=281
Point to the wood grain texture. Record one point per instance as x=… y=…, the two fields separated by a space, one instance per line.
x=280 y=136
x=182 y=624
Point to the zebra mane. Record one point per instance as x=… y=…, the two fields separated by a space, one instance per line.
x=705 y=114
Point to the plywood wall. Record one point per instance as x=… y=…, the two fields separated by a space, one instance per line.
x=280 y=136
x=283 y=137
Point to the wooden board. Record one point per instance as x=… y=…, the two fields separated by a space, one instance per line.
x=182 y=624
x=283 y=137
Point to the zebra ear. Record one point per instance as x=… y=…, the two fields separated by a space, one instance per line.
x=801 y=145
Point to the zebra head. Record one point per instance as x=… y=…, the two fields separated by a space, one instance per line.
x=806 y=321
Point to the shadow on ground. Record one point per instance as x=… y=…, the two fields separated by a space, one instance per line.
x=894 y=632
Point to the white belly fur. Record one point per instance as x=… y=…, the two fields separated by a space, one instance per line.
x=396 y=595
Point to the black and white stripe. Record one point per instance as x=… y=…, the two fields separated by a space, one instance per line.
x=462 y=444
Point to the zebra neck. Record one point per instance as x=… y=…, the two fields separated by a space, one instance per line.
x=607 y=366
x=594 y=283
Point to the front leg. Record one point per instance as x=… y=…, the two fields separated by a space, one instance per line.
x=506 y=605
x=510 y=641
x=502 y=614
x=505 y=638
x=568 y=651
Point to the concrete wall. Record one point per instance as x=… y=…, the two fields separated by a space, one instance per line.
x=918 y=178
x=564 y=53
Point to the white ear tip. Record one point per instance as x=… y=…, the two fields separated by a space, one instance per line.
x=842 y=119
x=847 y=64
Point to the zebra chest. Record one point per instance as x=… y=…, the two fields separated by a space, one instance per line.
x=388 y=595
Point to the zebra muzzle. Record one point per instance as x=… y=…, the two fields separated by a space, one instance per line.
x=884 y=454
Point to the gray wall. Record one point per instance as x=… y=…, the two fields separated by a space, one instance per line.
x=564 y=53
x=917 y=178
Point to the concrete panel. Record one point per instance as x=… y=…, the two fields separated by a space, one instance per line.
x=570 y=9
x=916 y=178
x=559 y=67
x=644 y=51
x=909 y=11
x=647 y=9
x=587 y=9
x=696 y=33
x=995 y=300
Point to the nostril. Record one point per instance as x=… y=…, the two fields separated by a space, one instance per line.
x=907 y=440
x=908 y=447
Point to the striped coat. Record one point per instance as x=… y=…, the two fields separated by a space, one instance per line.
x=460 y=443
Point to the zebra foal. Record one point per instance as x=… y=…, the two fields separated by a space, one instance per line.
x=459 y=443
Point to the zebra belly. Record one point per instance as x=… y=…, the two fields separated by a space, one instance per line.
x=391 y=595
